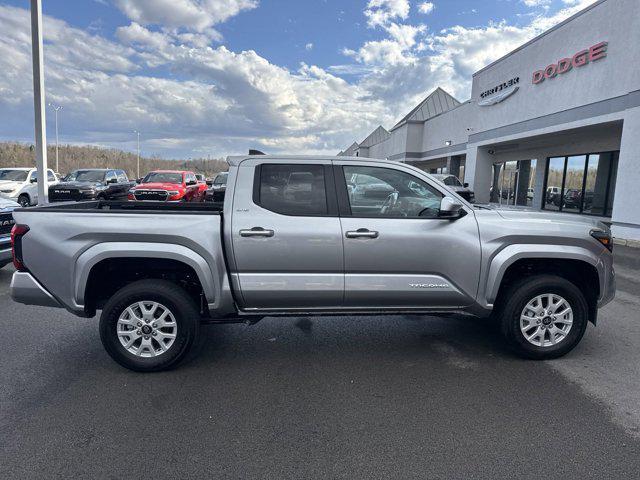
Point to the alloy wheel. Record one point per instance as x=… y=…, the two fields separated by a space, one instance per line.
x=546 y=320
x=147 y=329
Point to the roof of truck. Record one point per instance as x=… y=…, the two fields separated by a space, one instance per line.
x=237 y=160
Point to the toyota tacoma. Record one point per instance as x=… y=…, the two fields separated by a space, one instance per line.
x=292 y=238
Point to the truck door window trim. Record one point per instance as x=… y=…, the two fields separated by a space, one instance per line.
x=329 y=187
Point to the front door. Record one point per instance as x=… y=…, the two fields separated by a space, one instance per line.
x=398 y=253
x=287 y=242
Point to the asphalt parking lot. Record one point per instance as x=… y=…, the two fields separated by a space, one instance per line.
x=365 y=397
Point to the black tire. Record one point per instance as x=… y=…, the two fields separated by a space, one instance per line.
x=24 y=200
x=170 y=295
x=517 y=297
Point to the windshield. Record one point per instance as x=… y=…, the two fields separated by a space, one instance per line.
x=14 y=175
x=448 y=180
x=95 y=176
x=221 y=179
x=163 y=177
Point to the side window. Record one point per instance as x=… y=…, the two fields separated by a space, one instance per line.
x=51 y=176
x=122 y=177
x=389 y=193
x=292 y=189
x=111 y=175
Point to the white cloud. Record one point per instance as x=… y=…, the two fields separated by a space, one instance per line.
x=381 y=12
x=426 y=7
x=308 y=46
x=536 y=3
x=197 y=15
x=230 y=102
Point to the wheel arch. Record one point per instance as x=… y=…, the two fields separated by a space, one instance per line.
x=88 y=266
x=578 y=265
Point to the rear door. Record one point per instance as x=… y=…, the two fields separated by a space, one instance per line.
x=398 y=253
x=286 y=236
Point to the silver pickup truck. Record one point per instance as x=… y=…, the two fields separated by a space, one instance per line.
x=296 y=237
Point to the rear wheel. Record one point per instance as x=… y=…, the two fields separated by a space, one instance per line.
x=544 y=316
x=149 y=325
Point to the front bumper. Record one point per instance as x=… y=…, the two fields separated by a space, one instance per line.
x=26 y=289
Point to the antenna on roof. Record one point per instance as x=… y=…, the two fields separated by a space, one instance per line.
x=256 y=152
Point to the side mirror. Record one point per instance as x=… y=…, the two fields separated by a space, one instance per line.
x=465 y=185
x=33 y=180
x=138 y=181
x=112 y=180
x=451 y=209
x=192 y=182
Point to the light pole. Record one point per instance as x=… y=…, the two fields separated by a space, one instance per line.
x=56 y=108
x=38 y=100
x=138 y=134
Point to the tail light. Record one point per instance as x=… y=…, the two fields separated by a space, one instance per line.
x=603 y=237
x=17 y=232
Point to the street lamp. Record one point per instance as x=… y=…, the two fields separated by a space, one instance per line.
x=138 y=135
x=56 y=108
x=38 y=101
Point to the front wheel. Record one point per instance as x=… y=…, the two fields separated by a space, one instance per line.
x=24 y=200
x=544 y=316
x=149 y=325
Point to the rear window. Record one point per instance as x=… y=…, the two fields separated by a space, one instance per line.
x=293 y=189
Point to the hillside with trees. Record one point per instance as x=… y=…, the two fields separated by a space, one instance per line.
x=71 y=157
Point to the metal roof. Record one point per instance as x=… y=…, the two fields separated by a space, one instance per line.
x=436 y=103
x=379 y=135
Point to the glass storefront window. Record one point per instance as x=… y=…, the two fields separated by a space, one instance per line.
x=555 y=180
x=581 y=183
x=574 y=178
x=513 y=182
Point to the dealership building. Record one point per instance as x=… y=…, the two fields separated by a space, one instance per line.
x=553 y=125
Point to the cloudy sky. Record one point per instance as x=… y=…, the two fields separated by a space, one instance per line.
x=217 y=77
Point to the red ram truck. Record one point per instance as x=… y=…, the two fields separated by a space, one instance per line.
x=170 y=186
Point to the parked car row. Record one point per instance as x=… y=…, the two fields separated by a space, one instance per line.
x=20 y=186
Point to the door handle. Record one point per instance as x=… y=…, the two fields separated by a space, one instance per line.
x=256 y=232
x=362 y=233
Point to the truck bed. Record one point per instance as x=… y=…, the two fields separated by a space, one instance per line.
x=66 y=240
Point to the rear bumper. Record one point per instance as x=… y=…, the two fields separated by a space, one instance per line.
x=26 y=289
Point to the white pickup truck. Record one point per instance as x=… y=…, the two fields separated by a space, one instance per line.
x=295 y=237
x=19 y=184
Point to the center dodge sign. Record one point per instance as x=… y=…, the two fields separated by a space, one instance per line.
x=580 y=59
